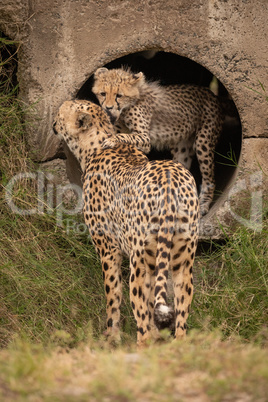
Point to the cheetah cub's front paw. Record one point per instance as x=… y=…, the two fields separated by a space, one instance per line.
x=110 y=142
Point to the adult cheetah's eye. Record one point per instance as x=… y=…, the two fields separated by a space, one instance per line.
x=119 y=95
x=103 y=94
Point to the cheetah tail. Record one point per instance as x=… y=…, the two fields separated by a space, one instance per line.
x=163 y=314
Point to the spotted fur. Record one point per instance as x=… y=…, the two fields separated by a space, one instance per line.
x=146 y=210
x=186 y=119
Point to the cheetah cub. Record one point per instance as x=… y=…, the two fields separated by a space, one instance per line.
x=185 y=119
x=146 y=210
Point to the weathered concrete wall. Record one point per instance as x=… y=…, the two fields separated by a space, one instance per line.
x=246 y=196
x=65 y=41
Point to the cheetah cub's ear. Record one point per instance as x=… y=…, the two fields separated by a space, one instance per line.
x=136 y=78
x=83 y=121
x=100 y=71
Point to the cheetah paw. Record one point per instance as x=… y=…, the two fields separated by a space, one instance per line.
x=110 y=142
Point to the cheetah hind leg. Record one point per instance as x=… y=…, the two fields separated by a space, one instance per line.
x=205 y=156
x=111 y=268
x=184 y=153
x=206 y=197
x=139 y=290
x=181 y=265
x=149 y=262
x=205 y=143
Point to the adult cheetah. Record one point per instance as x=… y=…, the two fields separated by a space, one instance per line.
x=186 y=119
x=146 y=210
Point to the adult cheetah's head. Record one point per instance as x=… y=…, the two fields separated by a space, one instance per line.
x=117 y=89
x=83 y=125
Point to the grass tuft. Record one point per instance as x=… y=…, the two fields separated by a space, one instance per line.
x=201 y=368
x=231 y=290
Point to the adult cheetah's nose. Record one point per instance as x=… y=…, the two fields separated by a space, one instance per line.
x=54 y=128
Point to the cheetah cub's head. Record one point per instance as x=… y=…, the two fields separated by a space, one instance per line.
x=117 y=89
x=84 y=126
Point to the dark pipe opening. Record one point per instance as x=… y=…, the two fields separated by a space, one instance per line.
x=170 y=68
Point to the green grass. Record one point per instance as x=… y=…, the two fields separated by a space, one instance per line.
x=231 y=292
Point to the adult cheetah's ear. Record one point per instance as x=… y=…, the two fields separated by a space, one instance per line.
x=100 y=71
x=83 y=121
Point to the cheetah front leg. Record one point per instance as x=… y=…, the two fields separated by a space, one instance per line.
x=137 y=122
x=142 y=142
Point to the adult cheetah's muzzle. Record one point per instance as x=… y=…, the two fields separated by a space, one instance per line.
x=111 y=116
